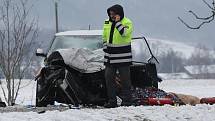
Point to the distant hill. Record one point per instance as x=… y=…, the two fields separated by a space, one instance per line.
x=165 y=45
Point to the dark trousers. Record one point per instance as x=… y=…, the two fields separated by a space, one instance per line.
x=110 y=73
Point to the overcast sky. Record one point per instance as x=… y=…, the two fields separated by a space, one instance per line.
x=151 y=18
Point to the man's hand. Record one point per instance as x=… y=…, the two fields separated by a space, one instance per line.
x=117 y=18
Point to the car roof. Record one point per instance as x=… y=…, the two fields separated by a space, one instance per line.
x=79 y=32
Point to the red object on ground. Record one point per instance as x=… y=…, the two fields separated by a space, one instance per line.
x=160 y=101
x=210 y=100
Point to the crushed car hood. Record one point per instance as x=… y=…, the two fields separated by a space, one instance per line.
x=83 y=60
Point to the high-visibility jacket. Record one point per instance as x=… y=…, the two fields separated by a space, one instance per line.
x=117 y=42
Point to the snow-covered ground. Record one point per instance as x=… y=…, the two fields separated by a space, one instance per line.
x=196 y=87
x=199 y=88
x=168 y=76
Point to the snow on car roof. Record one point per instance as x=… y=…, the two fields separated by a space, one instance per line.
x=79 y=32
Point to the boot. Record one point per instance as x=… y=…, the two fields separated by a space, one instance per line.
x=111 y=104
x=126 y=98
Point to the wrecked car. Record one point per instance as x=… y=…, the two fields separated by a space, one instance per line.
x=73 y=71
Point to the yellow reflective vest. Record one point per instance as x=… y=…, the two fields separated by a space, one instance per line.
x=118 y=38
x=117 y=42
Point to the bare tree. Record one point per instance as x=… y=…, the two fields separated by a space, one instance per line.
x=201 y=59
x=213 y=55
x=200 y=56
x=203 y=20
x=18 y=30
x=171 y=62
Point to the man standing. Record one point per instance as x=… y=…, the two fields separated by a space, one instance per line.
x=117 y=34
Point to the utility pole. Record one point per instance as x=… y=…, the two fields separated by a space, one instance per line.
x=56 y=16
x=89 y=27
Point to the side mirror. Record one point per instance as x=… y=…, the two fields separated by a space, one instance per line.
x=39 y=52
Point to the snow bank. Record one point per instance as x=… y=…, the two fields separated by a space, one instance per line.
x=200 y=88
x=140 y=113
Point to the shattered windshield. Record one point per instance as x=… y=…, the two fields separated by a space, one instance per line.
x=64 y=42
